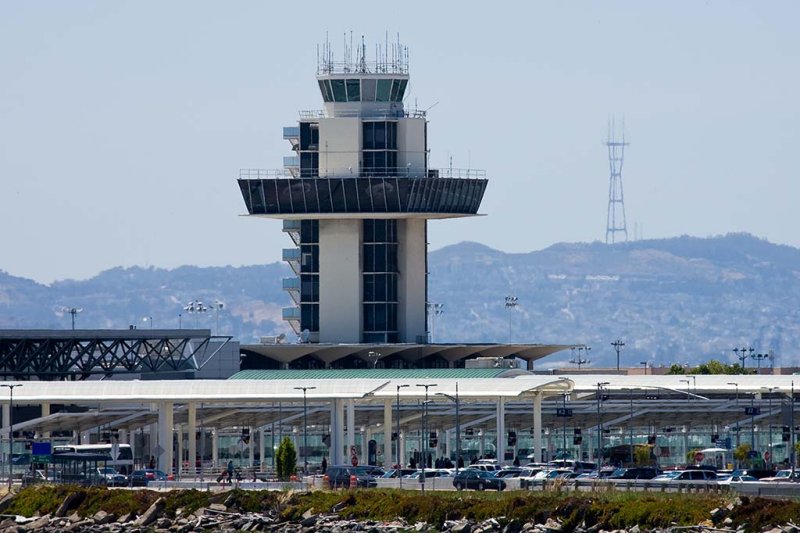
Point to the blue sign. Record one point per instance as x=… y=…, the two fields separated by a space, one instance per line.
x=563 y=412
x=41 y=448
x=752 y=411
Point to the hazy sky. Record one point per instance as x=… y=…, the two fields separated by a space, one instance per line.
x=123 y=124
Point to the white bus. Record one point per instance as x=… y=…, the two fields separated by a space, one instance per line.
x=122 y=462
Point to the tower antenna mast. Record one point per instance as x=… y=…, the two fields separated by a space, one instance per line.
x=615 y=220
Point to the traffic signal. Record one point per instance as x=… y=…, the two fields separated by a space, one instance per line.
x=394 y=436
x=577 y=438
x=651 y=439
x=433 y=441
x=786 y=435
x=246 y=435
x=326 y=440
x=512 y=438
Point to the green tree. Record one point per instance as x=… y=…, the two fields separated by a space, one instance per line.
x=643 y=455
x=740 y=453
x=676 y=369
x=285 y=459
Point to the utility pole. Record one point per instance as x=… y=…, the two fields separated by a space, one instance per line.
x=618 y=344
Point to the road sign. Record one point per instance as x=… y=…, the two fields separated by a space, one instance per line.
x=752 y=411
x=698 y=457
x=563 y=412
x=41 y=458
x=159 y=450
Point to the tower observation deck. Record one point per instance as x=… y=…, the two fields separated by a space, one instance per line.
x=356 y=198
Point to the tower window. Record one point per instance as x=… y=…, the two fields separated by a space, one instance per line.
x=353 y=90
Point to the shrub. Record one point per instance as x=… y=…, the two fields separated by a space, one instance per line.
x=285 y=459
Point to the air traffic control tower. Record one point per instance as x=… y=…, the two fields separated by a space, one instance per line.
x=356 y=199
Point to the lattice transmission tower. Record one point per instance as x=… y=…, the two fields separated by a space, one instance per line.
x=615 y=221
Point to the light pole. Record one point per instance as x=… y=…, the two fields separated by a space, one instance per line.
x=580 y=360
x=600 y=386
x=217 y=307
x=753 y=421
x=618 y=344
x=74 y=311
x=737 y=411
x=759 y=357
x=425 y=444
x=305 y=427
x=511 y=303
x=644 y=364
x=10 y=387
x=397 y=442
x=770 y=390
x=742 y=355
x=434 y=310
x=458 y=423
x=374 y=356
x=180 y=320
x=688 y=392
x=148 y=319
x=195 y=307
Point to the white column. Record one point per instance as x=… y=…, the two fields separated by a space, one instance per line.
x=165 y=429
x=45 y=412
x=123 y=436
x=262 y=444
x=481 y=443
x=179 y=462
x=351 y=427
x=388 y=449
x=447 y=447
x=251 y=447
x=501 y=431
x=537 y=427
x=402 y=440
x=340 y=281
x=337 y=433
x=153 y=440
x=191 y=435
x=412 y=252
x=214 y=448
x=365 y=436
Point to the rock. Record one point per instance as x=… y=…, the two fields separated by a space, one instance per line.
x=124 y=519
x=552 y=525
x=37 y=524
x=101 y=517
x=634 y=529
x=728 y=521
x=513 y=526
x=199 y=512
x=218 y=507
x=152 y=513
x=716 y=513
x=74 y=517
x=70 y=502
x=461 y=526
x=309 y=521
x=339 y=507
x=77 y=525
x=7 y=523
x=775 y=530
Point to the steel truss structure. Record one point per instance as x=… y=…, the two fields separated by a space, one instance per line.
x=80 y=354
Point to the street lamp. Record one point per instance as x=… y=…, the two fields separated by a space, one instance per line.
x=580 y=360
x=511 y=303
x=618 y=344
x=305 y=427
x=397 y=442
x=195 y=307
x=600 y=386
x=148 y=319
x=644 y=364
x=759 y=357
x=737 y=410
x=10 y=387
x=434 y=310
x=458 y=423
x=425 y=444
x=688 y=392
x=374 y=356
x=74 y=311
x=753 y=421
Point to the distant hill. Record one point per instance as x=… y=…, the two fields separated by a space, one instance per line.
x=684 y=299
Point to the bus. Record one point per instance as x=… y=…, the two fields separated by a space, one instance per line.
x=122 y=462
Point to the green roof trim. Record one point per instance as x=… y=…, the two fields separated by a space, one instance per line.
x=378 y=373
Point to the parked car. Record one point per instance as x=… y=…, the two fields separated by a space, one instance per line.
x=111 y=477
x=339 y=476
x=733 y=480
x=398 y=472
x=551 y=474
x=485 y=467
x=32 y=477
x=508 y=472
x=138 y=478
x=471 y=478
x=783 y=475
x=688 y=475
x=644 y=472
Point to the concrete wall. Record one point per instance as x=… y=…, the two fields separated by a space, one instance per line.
x=412 y=282
x=411 y=145
x=340 y=280
x=339 y=146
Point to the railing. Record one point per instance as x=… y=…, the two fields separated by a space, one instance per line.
x=290 y=313
x=291 y=225
x=363 y=113
x=383 y=172
x=291 y=284
x=291 y=254
x=291 y=161
x=291 y=132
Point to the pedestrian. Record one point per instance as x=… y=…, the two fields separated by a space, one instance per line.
x=324 y=465
x=152 y=464
x=230 y=471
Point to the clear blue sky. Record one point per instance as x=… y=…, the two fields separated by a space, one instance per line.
x=123 y=124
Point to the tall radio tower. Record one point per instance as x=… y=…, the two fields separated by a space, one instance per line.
x=615 y=221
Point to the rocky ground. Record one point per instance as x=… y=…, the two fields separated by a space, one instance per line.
x=739 y=515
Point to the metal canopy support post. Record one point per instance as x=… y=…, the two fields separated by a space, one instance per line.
x=337 y=432
x=501 y=430
x=351 y=425
x=387 y=433
x=165 y=424
x=191 y=435
x=537 y=427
